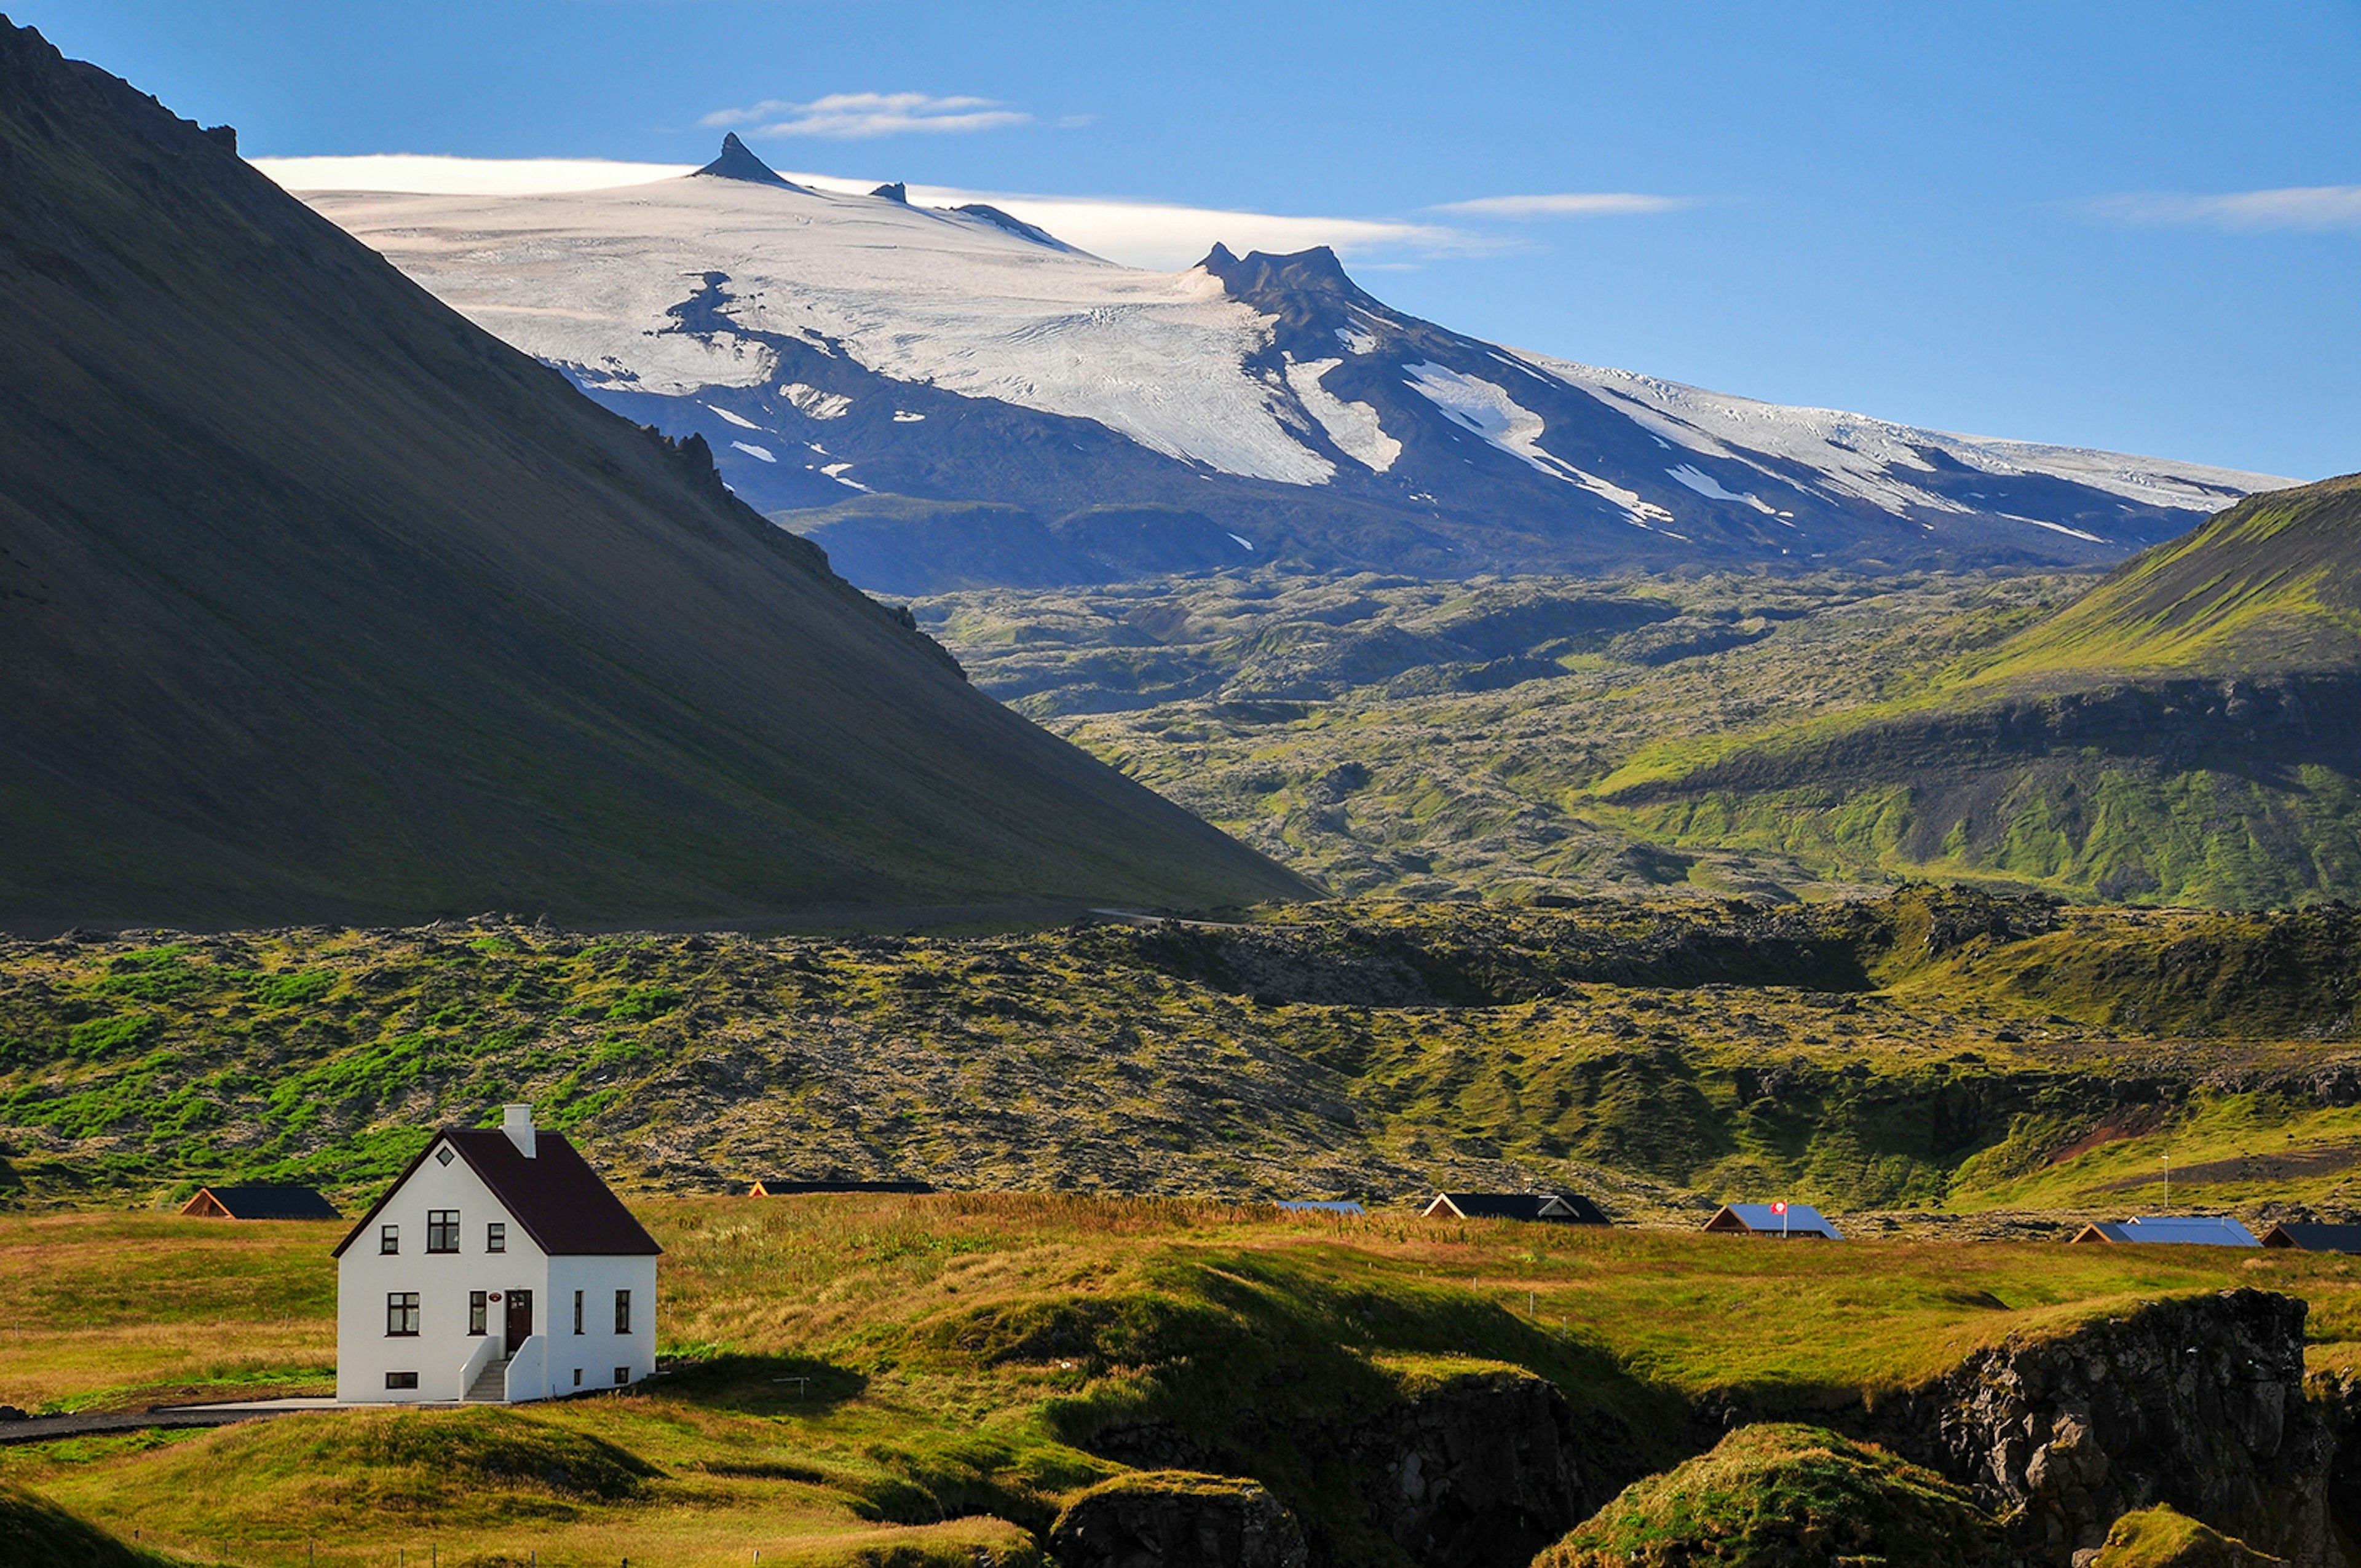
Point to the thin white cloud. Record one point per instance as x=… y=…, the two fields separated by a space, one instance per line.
x=2293 y=207
x=1167 y=236
x=1158 y=235
x=1562 y=205
x=852 y=117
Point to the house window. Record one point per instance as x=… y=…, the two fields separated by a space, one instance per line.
x=622 y=1312
x=388 y=1239
x=442 y=1230
x=577 y=1311
x=401 y=1380
x=478 y=1314
x=496 y=1238
x=401 y=1314
x=442 y=1154
x=622 y=1375
x=577 y=1377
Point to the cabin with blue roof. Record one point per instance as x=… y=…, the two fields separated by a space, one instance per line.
x=1781 y=1221
x=2173 y=1230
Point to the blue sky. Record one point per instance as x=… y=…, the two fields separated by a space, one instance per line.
x=2125 y=226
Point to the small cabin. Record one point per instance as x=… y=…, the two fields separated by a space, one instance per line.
x=497 y=1268
x=768 y=1186
x=1545 y=1208
x=1319 y=1206
x=2306 y=1235
x=1781 y=1221
x=2171 y=1230
x=282 y=1201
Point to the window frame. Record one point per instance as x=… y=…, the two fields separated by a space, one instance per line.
x=442 y=1226
x=577 y=1311
x=400 y=1381
x=479 y=1313
x=622 y=1312
x=401 y=1307
x=622 y=1375
x=496 y=1236
x=388 y=1240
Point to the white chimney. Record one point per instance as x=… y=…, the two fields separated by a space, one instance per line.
x=516 y=1121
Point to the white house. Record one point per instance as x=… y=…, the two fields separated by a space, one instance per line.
x=499 y=1266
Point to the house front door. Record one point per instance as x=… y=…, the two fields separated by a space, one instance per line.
x=520 y=1314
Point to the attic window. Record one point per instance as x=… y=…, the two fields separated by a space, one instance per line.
x=496 y=1236
x=442 y=1154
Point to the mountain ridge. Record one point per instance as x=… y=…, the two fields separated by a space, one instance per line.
x=846 y=345
x=323 y=604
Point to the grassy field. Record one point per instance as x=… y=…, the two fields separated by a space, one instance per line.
x=1931 y=1050
x=1439 y=739
x=961 y=1351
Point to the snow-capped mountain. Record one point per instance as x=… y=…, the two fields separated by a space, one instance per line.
x=899 y=364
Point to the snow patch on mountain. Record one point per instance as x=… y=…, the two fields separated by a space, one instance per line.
x=914 y=293
x=1873 y=459
x=751 y=450
x=1484 y=407
x=1705 y=484
x=1353 y=427
x=810 y=401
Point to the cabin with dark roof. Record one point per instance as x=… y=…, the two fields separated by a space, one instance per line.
x=771 y=1186
x=1545 y=1208
x=2307 y=1235
x=280 y=1201
x=1780 y=1222
x=497 y=1268
x=2171 y=1230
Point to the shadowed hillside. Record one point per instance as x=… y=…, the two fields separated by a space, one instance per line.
x=316 y=602
x=2188 y=732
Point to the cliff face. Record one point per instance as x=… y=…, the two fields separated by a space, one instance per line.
x=2195 y=1403
x=1176 y=1519
x=1482 y=1469
x=1475 y=1468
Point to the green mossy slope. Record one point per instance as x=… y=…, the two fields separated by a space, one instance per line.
x=1781 y=1496
x=2189 y=731
x=320 y=603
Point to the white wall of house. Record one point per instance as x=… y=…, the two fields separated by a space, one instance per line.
x=365 y=1277
x=590 y=1359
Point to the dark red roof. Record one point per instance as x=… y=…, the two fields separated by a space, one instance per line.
x=561 y=1202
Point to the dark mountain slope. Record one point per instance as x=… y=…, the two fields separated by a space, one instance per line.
x=318 y=602
x=2189 y=729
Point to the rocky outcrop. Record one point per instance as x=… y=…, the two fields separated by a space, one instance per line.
x=1475 y=1468
x=2336 y=1396
x=1480 y=1467
x=2198 y=1403
x=1177 y=1519
x=2161 y=1538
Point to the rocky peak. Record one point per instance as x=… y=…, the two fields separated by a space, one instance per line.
x=738 y=163
x=894 y=191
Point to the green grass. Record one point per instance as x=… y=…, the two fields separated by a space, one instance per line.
x=962 y=1352
x=1780 y=1496
x=2162 y=1538
x=1933 y=1048
x=35 y=1532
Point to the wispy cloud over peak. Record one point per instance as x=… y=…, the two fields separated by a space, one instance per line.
x=852 y=117
x=2292 y=207
x=1565 y=205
